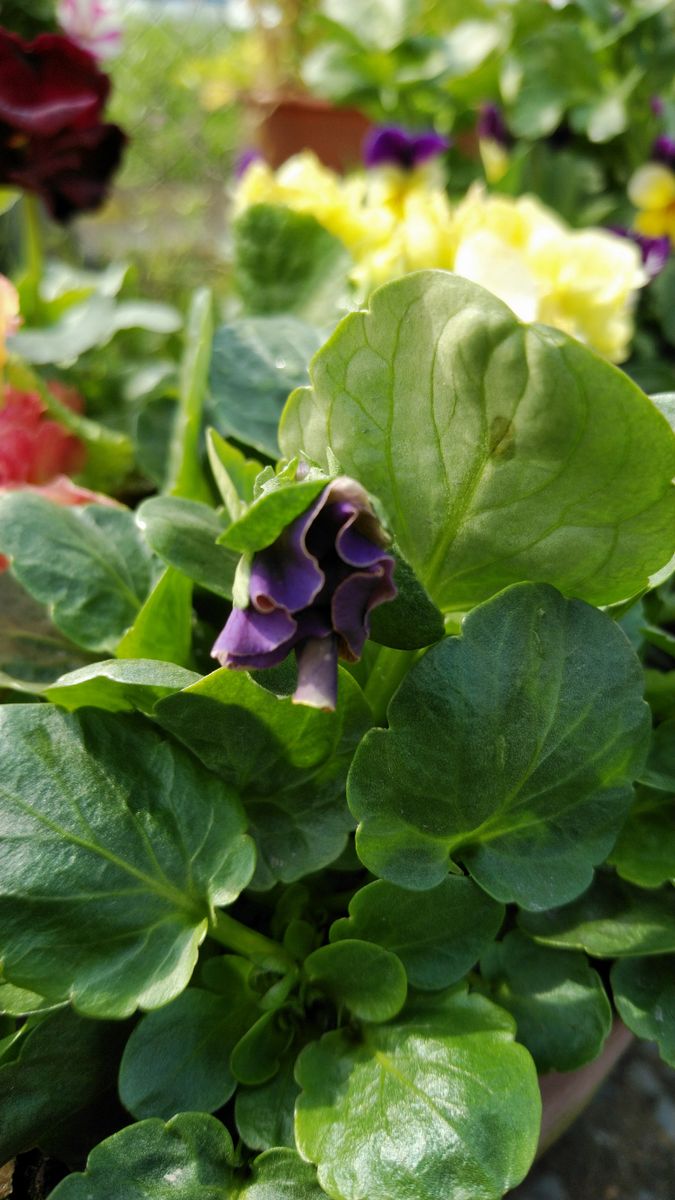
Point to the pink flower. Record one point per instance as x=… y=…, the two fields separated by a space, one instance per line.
x=92 y=24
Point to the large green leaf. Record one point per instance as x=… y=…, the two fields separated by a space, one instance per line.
x=177 y=1058
x=645 y=850
x=32 y=650
x=500 y=452
x=93 y=322
x=286 y=262
x=511 y=748
x=256 y=363
x=54 y=1095
x=281 y=1175
x=438 y=935
x=265 y=1114
x=117 y=845
x=288 y=762
x=184 y=533
x=189 y=1158
x=612 y=920
x=369 y=980
x=558 y=1001
x=134 y=685
x=88 y=564
x=644 y=992
x=439 y=1102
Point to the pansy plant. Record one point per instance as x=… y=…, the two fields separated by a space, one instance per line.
x=316 y=926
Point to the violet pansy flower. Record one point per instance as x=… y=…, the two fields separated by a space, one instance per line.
x=663 y=149
x=491 y=126
x=312 y=591
x=390 y=145
x=655 y=250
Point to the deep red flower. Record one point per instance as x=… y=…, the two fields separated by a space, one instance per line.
x=33 y=448
x=52 y=139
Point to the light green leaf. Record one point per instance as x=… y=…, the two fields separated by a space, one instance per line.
x=538 y=459
x=287 y=761
x=256 y=363
x=186 y=477
x=117 y=847
x=645 y=850
x=17 y=1002
x=65 y=1071
x=189 y=1158
x=163 y=628
x=269 y=514
x=177 y=1058
x=369 y=980
x=92 y=322
x=265 y=1114
x=438 y=935
x=557 y=1000
x=612 y=920
x=234 y=474
x=88 y=564
x=183 y=533
x=134 y=685
x=440 y=1102
x=282 y=1175
x=644 y=993
x=511 y=749
x=377 y=24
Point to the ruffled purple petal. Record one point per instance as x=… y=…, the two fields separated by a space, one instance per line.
x=391 y=145
x=255 y=640
x=317 y=673
x=352 y=601
x=287 y=574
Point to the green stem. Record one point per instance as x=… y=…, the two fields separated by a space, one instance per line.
x=255 y=946
x=185 y=472
x=33 y=259
x=389 y=669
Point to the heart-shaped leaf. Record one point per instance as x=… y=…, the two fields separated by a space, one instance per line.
x=511 y=748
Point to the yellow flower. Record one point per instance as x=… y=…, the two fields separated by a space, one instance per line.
x=652 y=191
x=9 y=314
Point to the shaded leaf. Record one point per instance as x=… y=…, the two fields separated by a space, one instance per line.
x=184 y=534
x=611 y=920
x=644 y=993
x=134 y=685
x=369 y=980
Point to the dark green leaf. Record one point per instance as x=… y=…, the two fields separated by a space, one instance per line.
x=644 y=992
x=438 y=935
x=32 y=651
x=117 y=846
x=369 y=980
x=411 y=620
x=440 y=1102
x=134 y=685
x=645 y=850
x=256 y=363
x=88 y=564
x=265 y=1114
x=499 y=452
x=659 y=771
x=189 y=1158
x=258 y=1054
x=558 y=1001
x=184 y=533
x=511 y=749
x=612 y=920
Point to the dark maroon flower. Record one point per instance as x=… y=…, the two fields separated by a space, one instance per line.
x=491 y=125
x=655 y=250
x=52 y=139
x=392 y=146
x=312 y=591
x=663 y=149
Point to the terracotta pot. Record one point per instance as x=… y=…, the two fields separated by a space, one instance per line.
x=564 y=1096
x=283 y=125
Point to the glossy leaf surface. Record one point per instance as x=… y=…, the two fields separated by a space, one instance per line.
x=119 y=685
x=645 y=850
x=369 y=980
x=612 y=920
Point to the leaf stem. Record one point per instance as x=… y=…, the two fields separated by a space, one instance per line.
x=261 y=950
x=185 y=473
x=33 y=259
x=389 y=669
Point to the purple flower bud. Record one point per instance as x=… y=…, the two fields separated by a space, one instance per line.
x=491 y=125
x=244 y=159
x=663 y=149
x=312 y=591
x=655 y=250
x=392 y=146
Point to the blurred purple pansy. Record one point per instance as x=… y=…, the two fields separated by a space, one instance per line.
x=663 y=149
x=389 y=145
x=245 y=159
x=491 y=126
x=312 y=591
x=655 y=250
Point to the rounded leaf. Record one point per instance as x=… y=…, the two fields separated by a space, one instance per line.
x=370 y=981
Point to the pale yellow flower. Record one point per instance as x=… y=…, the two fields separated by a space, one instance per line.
x=652 y=191
x=9 y=315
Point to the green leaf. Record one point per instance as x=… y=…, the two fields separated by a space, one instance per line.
x=256 y=363
x=234 y=474
x=377 y=24
x=186 y=478
x=118 y=846
x=268 y=516
x=659 y=769
x=286 y=262
x=184 y=534
x=66 y=1070
x=557 y=1000
x=438 y=935
x=93 y=322
x=411 y=620
x=369 y=980
x=17 y=1002
x=282 y=1175
x=287 y=761
x=163 y=628
x=265 y=1114
x=645 y=850
x=644 y=993
x=511 y=749
x=32 y=651
x=258 y=1054
x=612 y=920
x=119 y=686
x=189 y=1158
x=440 y=1102
x=539 y=460
x=177 y=1058
x=88 y=564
